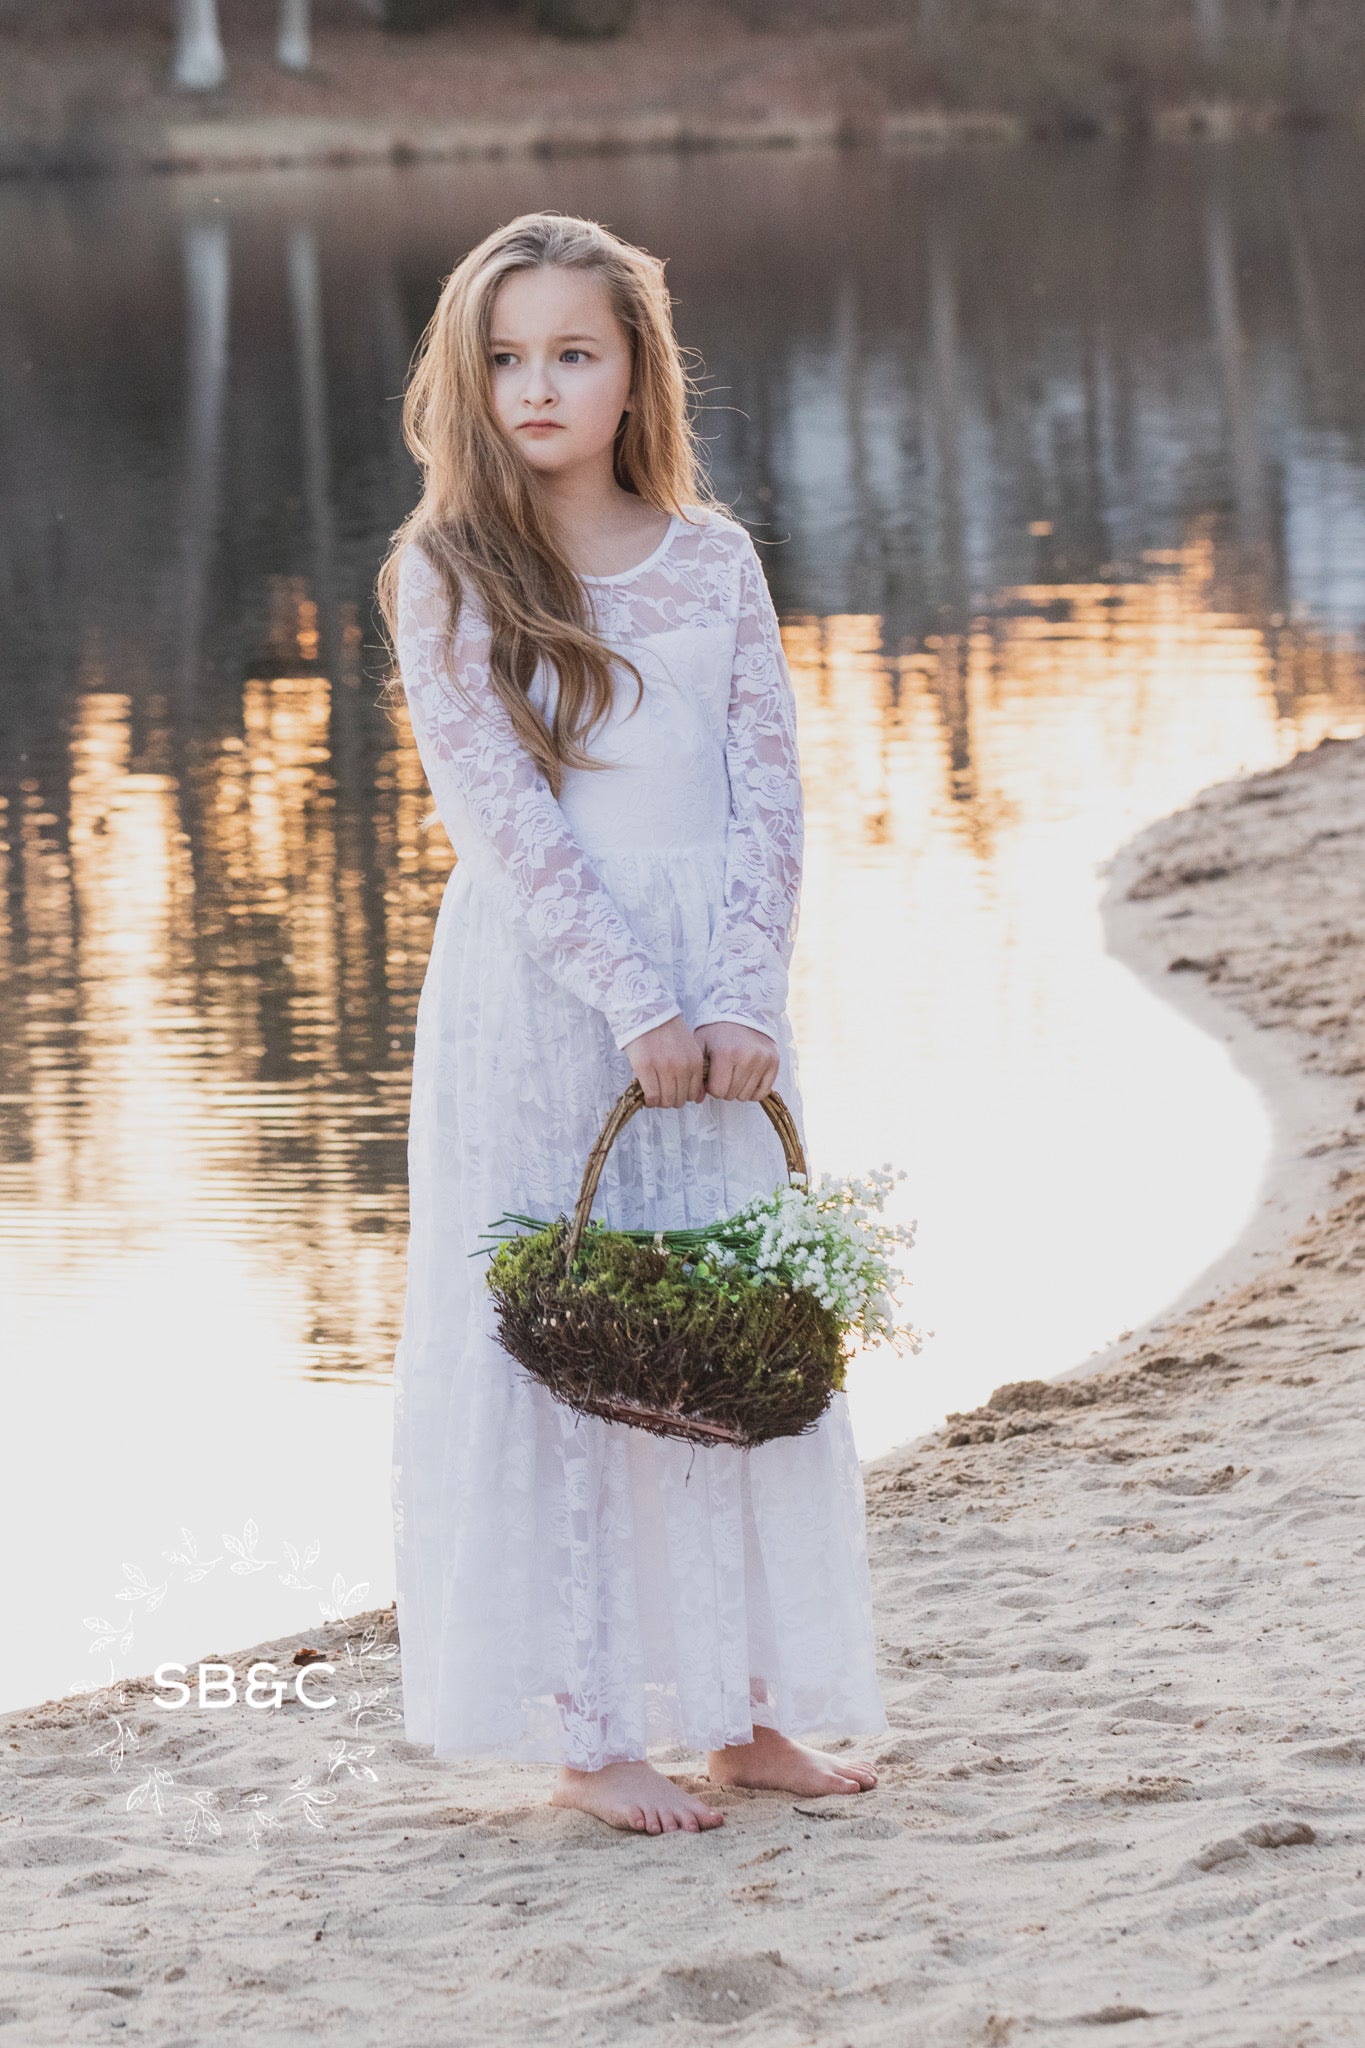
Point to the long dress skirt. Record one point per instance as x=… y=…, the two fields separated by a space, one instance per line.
x=571 y=1590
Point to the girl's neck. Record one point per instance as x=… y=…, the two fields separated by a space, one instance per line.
x=602 y=528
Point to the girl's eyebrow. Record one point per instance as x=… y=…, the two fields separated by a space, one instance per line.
x=499 y=341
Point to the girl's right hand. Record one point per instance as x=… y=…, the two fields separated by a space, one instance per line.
x=668 y=1063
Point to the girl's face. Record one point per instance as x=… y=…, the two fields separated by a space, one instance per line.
x=561 y=367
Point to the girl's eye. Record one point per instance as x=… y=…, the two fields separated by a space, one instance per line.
x=501 y=358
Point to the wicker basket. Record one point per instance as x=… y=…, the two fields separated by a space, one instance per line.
x=674 y=1359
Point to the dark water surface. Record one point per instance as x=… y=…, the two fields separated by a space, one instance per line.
x=1062 y=456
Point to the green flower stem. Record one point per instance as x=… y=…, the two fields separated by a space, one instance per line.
x=674 y=1240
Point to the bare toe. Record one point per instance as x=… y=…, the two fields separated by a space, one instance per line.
x=636 y=1797
x=774 y=1763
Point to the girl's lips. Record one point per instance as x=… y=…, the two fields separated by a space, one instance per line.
x=539 y=427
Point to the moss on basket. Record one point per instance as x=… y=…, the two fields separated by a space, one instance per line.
x=632 y=1337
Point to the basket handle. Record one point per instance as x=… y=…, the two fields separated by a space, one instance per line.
x=633 y=1098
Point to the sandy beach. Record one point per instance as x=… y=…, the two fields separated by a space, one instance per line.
x=1119 y=1625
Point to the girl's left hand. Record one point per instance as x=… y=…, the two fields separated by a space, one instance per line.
x=743 y=1064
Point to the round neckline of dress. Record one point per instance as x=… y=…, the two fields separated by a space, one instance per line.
x=622 y=575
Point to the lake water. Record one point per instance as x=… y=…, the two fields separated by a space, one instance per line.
x=1059 y=462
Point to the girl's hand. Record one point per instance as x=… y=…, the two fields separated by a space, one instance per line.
x=668 y=1065
x=744 y=1062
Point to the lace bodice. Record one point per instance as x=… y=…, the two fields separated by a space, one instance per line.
x=707 y=762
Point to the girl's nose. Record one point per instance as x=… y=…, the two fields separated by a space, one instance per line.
x=539 y=389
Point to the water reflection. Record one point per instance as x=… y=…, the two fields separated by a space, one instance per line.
x=1058 y=460
x=1076 y=1154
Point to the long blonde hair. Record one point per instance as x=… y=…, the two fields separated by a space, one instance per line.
x=483 y=520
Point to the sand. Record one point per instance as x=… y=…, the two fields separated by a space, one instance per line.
x=1124 y=1786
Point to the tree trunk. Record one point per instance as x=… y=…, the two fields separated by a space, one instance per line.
x=199 y=65
x=294 y=48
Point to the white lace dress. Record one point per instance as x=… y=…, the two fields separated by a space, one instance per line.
x=571 y=1590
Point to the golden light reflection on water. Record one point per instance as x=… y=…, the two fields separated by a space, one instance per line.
x=165 y=967
x=202 y=944
x=955 y=1008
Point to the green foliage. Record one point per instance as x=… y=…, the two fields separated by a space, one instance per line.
x=646 y=1328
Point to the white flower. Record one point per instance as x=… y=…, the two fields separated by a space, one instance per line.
x=830 y=1239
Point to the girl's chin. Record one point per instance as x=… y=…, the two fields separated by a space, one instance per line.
x=544 y=451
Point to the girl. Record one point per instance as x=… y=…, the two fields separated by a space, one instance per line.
x=572 y=1590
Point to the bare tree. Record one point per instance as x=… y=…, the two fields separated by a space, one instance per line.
x=199 y=65
x=294 y=47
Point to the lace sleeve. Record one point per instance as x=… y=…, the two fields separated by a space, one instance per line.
x=751 y=948
x=477 y=767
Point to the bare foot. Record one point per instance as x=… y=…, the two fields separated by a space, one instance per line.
x=636 y=1797
x=773 y=1763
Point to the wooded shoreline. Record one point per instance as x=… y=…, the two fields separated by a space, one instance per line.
x=89 y=96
